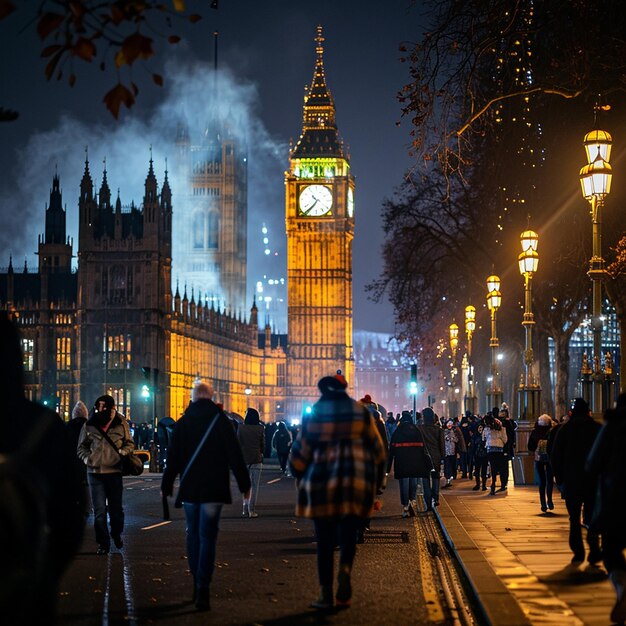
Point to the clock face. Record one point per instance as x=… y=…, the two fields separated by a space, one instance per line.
x=350 y=202
x=315 y=200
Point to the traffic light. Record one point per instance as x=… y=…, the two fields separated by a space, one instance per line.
x=413 y=383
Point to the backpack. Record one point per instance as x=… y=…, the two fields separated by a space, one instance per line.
x=23 y=521
x=541 y=454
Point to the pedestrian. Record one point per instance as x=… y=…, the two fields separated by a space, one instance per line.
x=203 y=449
x=338 y=460
x=74 y=427
x=36 y=549
x=607 y=465
x=435 y=444
x=410 y=460
x=104 y=439
x=570 y=450
x=465 y=448
x=495 y=437
x=281 y=442
x=510 y=425
x=390 y=425
x=452 y=446
x=481 y=460
x=538 y=443
x=251 y=436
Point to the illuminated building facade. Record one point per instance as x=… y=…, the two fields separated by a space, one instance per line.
x=319 y=205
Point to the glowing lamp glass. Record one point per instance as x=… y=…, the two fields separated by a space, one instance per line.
x=494 y=300
x=454 y=331
x=595 y=179
x=598 y=142
x=528 y=262
x=529 y=239
x=493 y=283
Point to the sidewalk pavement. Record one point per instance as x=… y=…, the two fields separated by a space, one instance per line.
x=518 y=558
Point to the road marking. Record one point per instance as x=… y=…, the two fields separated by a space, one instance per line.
x=157 y=525
x=269 y=482
x=128 y=593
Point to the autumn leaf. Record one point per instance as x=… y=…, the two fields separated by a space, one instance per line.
x=48 y=22
x=84 y=49
x=179 y=5
x=136 y=46
x=50 y=50
x=51 y=65
x=173 y=39
x=6 y=8
x=116 y=97
x=117 y=15
x=158 y=79
x=195 y=18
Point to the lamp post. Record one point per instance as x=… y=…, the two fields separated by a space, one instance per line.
x=247 y=391
x=454 y=343
x=529 y=391
x=494 y=301
x=595 y=181
x=470 y=327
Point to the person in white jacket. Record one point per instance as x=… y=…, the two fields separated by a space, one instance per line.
x=495 y=438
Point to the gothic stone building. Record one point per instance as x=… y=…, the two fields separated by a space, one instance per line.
x=98 y=329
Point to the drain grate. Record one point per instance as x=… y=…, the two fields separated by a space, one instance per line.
x=387 y=536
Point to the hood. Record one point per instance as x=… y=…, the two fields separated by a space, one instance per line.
x=544 y=420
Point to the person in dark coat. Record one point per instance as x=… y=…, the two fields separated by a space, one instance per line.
x=251 y=437
x=338 y=460
x=33 y=560
x=510 y=425
x=434 y=440
x=206 y=486
x=281 y=442
x=607 y=464
x=481 y=459
x=538 y=443
x=410 y=460
x=74 y=426
x=569 y=453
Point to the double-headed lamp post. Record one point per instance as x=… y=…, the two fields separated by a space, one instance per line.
x=494 y=301
x=595 y=180
x=470 y=327
x=454 y=344
x=530 y=391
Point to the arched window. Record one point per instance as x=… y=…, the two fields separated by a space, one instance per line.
x=214 y=230
x=198 y=230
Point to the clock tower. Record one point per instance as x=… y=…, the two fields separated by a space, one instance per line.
x=319 y=204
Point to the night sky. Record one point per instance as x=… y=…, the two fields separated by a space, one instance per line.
x=267 y=48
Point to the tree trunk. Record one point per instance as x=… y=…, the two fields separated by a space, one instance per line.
x=543 y=358
x=561 y=365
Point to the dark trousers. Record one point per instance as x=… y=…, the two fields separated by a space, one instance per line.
x=203 y=521
x=480 y=470
x=449 y=466
x=613 y=545
x=546 y=482
x=106 y=497
x=282 y=460
x=329 y=532
x=498 y=465
x=581 y=504
x=470 y=461
x=431 y=490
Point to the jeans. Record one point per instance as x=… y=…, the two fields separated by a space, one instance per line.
x=255 y=480
x=498 y=466
x=462 y=464
x=106 y=496
x=202 y=526
x=431 y=490
x=408 y=488
x=546 y=482
x=282 y=460
x=330 y=531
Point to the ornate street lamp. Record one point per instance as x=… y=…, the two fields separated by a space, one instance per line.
x=595 y=182
x=529 y=391
x=494 y=301
x=247 y=391
x=454 y=343
x=470 y=327
x=454 y=339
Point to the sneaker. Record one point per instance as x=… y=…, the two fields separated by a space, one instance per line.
x=118 y=541
x=594 y=557
x=246 y=511
x=254 y=514
x=405 y=512
x=325 y=599
x=502 y=488
x=577 y=559
x=484 y=488
x=102 y=550
x=551 y=505
x=475 y=487
x=344 y=588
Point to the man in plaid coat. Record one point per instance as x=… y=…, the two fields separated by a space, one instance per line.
x=339 y=463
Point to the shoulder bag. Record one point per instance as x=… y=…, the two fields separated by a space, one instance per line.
x=131 y=465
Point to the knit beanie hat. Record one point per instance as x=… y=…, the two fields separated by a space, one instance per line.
x=80 y=410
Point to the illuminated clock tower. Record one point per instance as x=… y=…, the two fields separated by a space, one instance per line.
x=319 y=204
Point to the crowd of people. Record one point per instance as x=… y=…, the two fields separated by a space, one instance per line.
x=340 y=459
